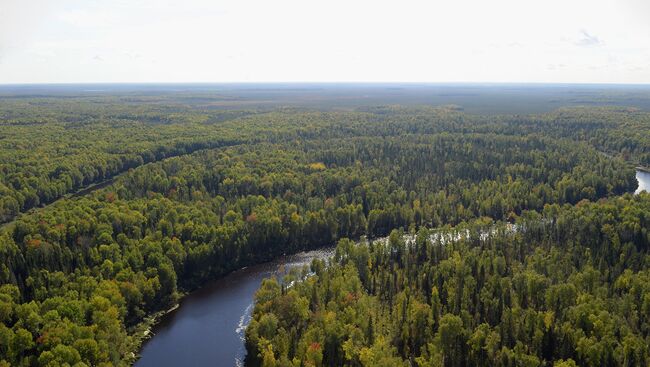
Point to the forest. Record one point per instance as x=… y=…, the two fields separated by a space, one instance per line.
x=567 y=286
x=187 y=193
x=52 y=147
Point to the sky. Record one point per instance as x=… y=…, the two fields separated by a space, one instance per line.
x=521 y=41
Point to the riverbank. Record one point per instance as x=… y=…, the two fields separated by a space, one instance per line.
x=143 y=332
x=211 y=321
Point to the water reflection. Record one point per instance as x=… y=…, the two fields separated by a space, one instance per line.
x=644 y=181
x=208 y=328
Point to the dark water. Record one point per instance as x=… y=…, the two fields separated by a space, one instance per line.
x=208 y=327
x=644 y=181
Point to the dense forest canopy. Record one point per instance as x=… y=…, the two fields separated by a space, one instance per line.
x=566 y=286
x=199 y=191
x=50 y=147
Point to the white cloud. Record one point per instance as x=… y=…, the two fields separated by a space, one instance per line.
x=588 y=40
x=335 y=40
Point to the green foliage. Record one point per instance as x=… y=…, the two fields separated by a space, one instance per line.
x=569 y=286
x=198 y=192
x=51 y=147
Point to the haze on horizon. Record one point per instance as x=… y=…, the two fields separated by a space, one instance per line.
x=77 y=41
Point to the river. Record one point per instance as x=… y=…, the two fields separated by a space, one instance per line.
x=208 y=327
x=644 y=181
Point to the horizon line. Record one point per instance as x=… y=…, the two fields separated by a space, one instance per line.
x=414 y=83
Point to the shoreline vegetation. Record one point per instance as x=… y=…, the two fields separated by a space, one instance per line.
x=145 y=328
x=569 y=286
x=144 y=331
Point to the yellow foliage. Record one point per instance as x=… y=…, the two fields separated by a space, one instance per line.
x=317 y=166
